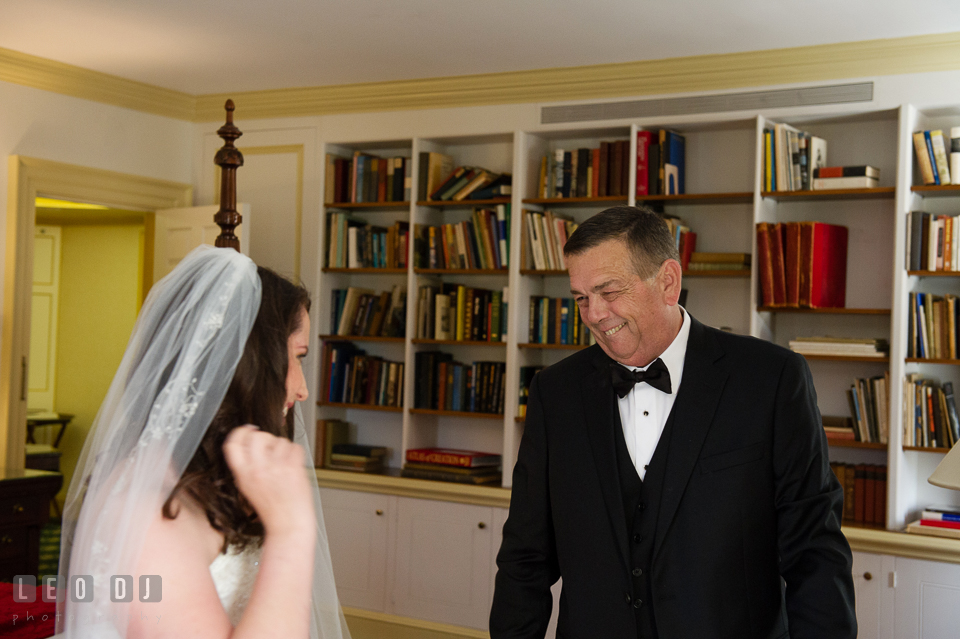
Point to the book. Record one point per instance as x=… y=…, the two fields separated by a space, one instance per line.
x=924 y=159
x=330 y=432
x=823 y=265
x=846 y=171
x=644 y=139
x=452 y=457
x=455 y=470
x=916 y=527
x=441 y=475
x=765 y=260
x=777 y=232
x=360 y=450
x=862 y=182
x=939 y=149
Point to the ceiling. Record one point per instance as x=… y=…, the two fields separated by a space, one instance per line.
x=210 y=46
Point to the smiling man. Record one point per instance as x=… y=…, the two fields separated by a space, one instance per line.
x=676 y=477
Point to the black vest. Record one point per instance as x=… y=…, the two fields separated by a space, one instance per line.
x=641 y=505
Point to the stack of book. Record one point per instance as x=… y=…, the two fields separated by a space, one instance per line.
x=461 y=466
x=719 y=262
x=556 y=320
x=931 y=152
x=600 y=172
x=940 y=521
x=445 y=384
x=358 y=458
x=929 y=413
x=480 y=243
x=864 y=492
x=684 y=239
x=789 y=155
x=661 y=160
x=840 y=428
x=526 y=378
x=933 y=242
x=932 y=329
x=845 y=177
x=361 y=312
x=840 y=346
x=367 y=178
x=449 y=311
x=350 y=376
x=353 y=243
x=466 y=181
x=544 y=235
x=330 y=432
x=434 y=169
x=869 y=400
x=802 y=264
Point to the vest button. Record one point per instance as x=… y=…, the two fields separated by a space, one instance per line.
x=627 y=597
x=641 y=506
x=637 y=603
x=637 y=538
x=637 y=572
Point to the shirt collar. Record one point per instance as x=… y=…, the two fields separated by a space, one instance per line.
x=674 y=355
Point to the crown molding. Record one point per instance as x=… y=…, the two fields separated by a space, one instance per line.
x=894 y=56
x=77 y=82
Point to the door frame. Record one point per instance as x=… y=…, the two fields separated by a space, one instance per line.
x=27 y=178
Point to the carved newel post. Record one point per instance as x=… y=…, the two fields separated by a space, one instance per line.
x=229 y=159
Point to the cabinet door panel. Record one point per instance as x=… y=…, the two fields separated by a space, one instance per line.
x=444 y=562
x=927 y=599
x=358 y=529
x=867 y=580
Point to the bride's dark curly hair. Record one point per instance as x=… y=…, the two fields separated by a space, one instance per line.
x=256 y=396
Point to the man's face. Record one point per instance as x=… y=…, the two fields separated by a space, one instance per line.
x=632 y=319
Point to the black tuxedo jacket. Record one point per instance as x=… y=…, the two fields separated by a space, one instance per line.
x=748 y=498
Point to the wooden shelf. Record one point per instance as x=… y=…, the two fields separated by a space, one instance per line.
x=948 y=190
x=457 y=342
x=923 y=360
x=934 y=273
x=824 y=311
x=388 y=409
x=367 y=205
x=378 y=271
x=700 y=198
x=847 y=358
x=559 y=347
x=928 y=449
x=464 y=203
x=455 y=413
x=460 y=271
x=885 y=192
x=852 y=443
x=731 y=273
x=533 y=271
x=569 y=201
x=361 y=338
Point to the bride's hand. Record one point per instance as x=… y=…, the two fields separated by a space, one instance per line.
x=270 y=473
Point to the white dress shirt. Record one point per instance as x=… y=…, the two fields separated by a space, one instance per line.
x=644 y=410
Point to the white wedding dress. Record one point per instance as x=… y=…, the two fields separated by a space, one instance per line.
x=234 y=574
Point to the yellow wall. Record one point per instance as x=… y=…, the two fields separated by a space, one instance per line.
x=99 y=298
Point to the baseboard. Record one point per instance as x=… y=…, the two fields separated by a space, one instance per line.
x=366 y=624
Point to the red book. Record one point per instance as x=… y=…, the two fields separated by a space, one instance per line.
x=688 y=244
x=595 y=162
x=603 y=187
x=452 y=457
x=880 y=511
x=765 y=263
x=779 y=272
x=859 y=492
x=936 y=523
x=823 y=265
x=870 y=494
x=643 y=169
x=615 y=170
x=791 y=262
x=441 y=391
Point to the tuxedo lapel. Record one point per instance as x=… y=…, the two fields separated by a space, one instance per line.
x=693 y=411
x=601 y=417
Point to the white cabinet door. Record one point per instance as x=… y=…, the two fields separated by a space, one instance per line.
x=358 y=527
x=867 y=582
x=445 y=555
x=927 y=599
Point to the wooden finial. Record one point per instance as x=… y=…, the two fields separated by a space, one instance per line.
x=229 y=159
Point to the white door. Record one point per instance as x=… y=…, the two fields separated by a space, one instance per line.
x=179 y=231
x=927 y=599
x=43 y=318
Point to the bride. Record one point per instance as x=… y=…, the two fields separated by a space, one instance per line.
x=193 y=511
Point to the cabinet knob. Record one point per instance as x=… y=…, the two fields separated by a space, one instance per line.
x=867 y=576
x=379 y=512
x=6 y=540
x=17 y=509
x=481 y=525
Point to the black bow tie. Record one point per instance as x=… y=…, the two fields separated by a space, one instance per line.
x=624 y=379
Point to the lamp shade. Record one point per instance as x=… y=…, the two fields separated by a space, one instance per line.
x=947 y=474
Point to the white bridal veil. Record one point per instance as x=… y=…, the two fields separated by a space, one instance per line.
x=174 y=375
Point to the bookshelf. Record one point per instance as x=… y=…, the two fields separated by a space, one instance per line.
x=723 y=202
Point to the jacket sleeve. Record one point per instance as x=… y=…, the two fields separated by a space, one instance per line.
x=527 y=561
x=815 y=558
